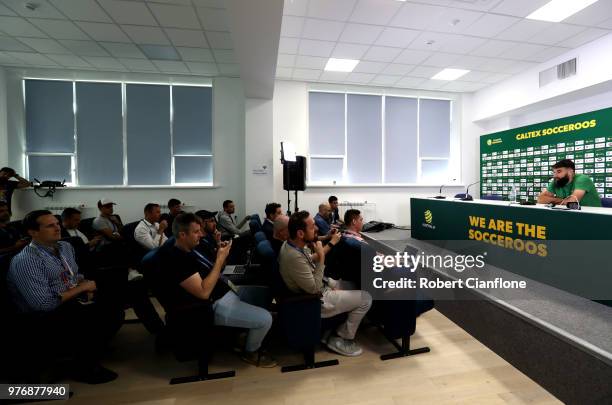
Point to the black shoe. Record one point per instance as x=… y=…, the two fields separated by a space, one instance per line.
x=95 y=375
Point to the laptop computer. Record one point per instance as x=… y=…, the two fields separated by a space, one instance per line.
x=231 y=270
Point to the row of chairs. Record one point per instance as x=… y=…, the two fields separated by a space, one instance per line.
x=299 y=315
x=299 y=319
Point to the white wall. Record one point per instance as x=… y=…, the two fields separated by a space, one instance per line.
x=3 y=120
x=392 y=203
x=258 y=146
x=228 y=149
x=521 y=93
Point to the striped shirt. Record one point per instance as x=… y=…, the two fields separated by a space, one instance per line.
x=37 y=276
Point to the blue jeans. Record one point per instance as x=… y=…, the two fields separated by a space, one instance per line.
x=238 y=311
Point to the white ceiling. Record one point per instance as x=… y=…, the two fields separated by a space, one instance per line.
x=400 y=44
x=112 y=35
x=403 y=44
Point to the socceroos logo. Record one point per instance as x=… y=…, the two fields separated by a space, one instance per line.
x=428 y=216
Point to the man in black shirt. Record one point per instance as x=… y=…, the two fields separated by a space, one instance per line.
x=191 y=277
x=273 y=210
x=7 y=186
x=11 y=240
x=335 y=214
x=211 y=237
x=176 y=207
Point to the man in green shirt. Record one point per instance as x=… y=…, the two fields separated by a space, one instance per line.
x=567 y=186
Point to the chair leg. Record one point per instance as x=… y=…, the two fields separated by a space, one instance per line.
x=203 y=374
x=403 y=350
x=309 y=363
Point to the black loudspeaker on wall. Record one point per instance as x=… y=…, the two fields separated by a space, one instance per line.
x=294 y=174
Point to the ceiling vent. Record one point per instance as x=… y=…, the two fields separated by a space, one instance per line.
x=559 y=72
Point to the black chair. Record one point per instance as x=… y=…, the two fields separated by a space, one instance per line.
x=254 y=226
x=86 y=226
x=493 y=197
x=136 y=250
x=299 y=315
x=18 y=224
x=24 y=355
x=260 y=237
x=188 y=329
x=606 y=202
x=395 y=317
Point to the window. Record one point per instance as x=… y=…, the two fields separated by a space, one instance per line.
x=375 y=140
x=118 y=134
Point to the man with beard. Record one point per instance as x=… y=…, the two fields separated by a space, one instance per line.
x=568 y=186
x=302 y=263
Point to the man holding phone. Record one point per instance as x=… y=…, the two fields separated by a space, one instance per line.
x=191 y=277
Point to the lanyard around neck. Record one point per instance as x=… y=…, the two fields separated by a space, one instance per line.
x=307 y=256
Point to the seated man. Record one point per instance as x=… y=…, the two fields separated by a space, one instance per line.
x=281 y=233
x=353 y=251
x=273 y=210
x=302 y=271
x=568 y=186
x=11 y=241
x=335 y=214
x=211 y=237
x=176 y=207
x=191 y=277
x=323 y=219
x=112 y=246
x=227 y=222
x=109 y=264
x=44 y=278
x=71 y=219
x=149 y=232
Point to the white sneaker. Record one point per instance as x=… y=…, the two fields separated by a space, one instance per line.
x=344 y=347
x=134 y=275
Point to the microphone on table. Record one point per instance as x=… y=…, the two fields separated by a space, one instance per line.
x=440 y=196
x=467 y=196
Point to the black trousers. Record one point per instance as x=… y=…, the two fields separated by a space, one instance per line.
x=121 y=292
x=73 y=331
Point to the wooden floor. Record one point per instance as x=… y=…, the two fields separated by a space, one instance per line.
x=458 y=370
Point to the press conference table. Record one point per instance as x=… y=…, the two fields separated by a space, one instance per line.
x=554 y=335
x=567 y=249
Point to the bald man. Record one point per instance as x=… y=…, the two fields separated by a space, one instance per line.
x=323 y=219
x=281 y=233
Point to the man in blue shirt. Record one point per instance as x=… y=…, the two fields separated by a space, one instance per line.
x=44 y=279
x=323 y=219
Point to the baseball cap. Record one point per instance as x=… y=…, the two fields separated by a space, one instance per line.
x=106 y=201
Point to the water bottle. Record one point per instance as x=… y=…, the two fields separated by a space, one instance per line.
x=512 y=196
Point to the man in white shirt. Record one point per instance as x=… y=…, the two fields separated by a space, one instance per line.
x=149 y=232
